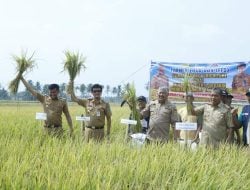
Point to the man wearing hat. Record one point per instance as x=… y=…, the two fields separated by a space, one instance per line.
x=163 y=114
x=244 y=119
x=224 y=96
x=241 y=81
x=185 y=117
x=236 y=132
x=141 y=103
x=217 y=123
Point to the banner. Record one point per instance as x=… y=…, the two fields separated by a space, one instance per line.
x=234 y=77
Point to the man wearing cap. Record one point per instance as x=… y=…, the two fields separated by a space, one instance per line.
x=162 y=114
x=141 y=103
x=236 y=132
x=224 y=96
x=53 y=106
x=185 y=117
x=243 y=119
x=217 y=123
x=97 y=109
x=241 y=81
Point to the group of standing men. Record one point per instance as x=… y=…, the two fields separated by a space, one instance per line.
x=95 y=108
x=217 y=121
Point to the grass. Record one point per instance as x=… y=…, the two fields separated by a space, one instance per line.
x=30 y=160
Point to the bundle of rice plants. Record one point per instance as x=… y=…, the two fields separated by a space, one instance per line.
x=129 y=97
x=187 y=89
x=23 y=65
x=73 y=64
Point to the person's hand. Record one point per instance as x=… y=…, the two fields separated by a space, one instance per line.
x=196 y=140
x=234 y=111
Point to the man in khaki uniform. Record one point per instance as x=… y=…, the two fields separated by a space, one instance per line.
x=162 y=114
x=217 y=124
x=53 y=106
x=184 y=117
x=236 y=133
x=97 y=109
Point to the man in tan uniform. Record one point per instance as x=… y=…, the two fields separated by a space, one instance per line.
x=217 y=124
x=97 y=109
x=53 y=106
x=162 y=114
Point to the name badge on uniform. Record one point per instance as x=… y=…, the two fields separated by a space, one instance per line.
x=41 y=116
x=244 y=113
x=98 y=113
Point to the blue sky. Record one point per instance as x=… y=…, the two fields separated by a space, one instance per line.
x=121 y=37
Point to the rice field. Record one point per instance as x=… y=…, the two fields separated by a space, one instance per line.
x=31 y=160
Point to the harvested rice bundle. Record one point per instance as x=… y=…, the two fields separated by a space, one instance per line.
x=73 y=64
x=24 y=65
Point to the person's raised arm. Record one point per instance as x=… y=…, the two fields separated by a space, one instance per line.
x=237 y=123
x=39 y=96
x=73 y=96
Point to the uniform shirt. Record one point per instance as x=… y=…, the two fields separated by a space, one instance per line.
x=53 y=109
x=161 y=116
x=216 y=121
x=96 y=110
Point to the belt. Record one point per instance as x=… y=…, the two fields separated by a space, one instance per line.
x=52 y=126
x=95 y=127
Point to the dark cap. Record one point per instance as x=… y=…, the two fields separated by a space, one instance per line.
x=230 y=96
x=224 y=92
x=248 y=92
x=217 y=91
x=142 y=98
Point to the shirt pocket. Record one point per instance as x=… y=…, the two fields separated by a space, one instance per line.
x=153 y=111
x=166 y=111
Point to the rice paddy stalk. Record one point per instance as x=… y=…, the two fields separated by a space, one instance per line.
x=24 y=64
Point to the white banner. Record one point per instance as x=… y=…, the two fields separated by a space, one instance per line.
x=41 y=116
x=128 y=121
x=186 y=126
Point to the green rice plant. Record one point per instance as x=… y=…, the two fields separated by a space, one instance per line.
x=31 y=160
x=187 y=89
x=129 y=97
x=23 y=65
x=74 y=63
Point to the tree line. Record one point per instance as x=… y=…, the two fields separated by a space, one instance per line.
x=83 y=90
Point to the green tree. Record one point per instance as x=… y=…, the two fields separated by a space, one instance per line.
x=107 y=90
x=114 y=91
x=89 y=86
x=83 y=89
